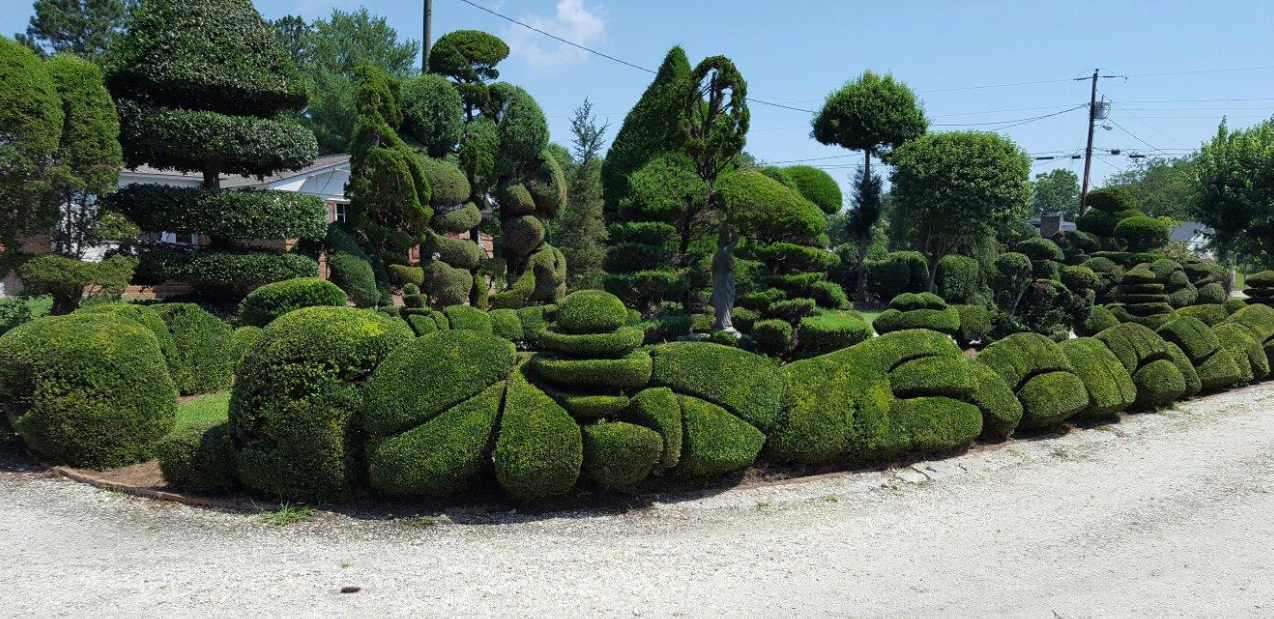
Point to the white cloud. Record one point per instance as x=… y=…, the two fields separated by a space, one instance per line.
x=573 y=22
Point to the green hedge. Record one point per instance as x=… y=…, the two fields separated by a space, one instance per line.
x=141 y=315
x=828 y=332
x=442 y=456
x=943 y=321
x=975 y=325
x=270 y=301
x=354 y=275
x=294 y=406
x=468 y=318
x=1001 y=411
x=1098 y=319
x=232 y=273
x=431 y=374
x=931 y=426
x=1191 y=376
x=746 y=384
x=86 y=390
x=1257 y=318
x=1050 y=399
x=659 y=410
x=591 y=311
x=1135 y=345
x=1159 y=383
x=1192 y=337
x=505 y=323
x=615 y=344
x=1233 y=305
x=232 y=215
x=959 y=278
x=893 y=349
x=204 y=359
x=714 y=441
x=1021 y=356
x=199 y=457
x=1249 y=355
x=618 y=454
x=243 y=339
x=629 y=372
x=1211 y=314
x=933 y=376
x=773 y=336
x=1109 y=386
x=540 y=448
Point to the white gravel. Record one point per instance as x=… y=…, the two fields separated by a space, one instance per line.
x=1166 y=515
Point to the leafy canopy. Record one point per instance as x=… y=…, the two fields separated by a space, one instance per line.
x=872 y=113
x=81 y=27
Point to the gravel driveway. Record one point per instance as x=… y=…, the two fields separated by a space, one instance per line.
x=1167 y=515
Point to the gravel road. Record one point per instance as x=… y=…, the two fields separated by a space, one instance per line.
x=1168 y=515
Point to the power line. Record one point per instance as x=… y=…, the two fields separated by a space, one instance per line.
x=1011 y=123
x=1135 y=137
x=1201 y=71
x=986 y=86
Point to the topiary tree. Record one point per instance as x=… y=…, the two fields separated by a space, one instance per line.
x=978 y=179
x=32 y=116
x=469 y=57
x=1141 y=234
x=875 y=115
x=70 y=281
x=204 y=86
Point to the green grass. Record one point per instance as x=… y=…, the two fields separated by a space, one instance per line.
x=214 y=408
x=40 y=306
x=870 y=317
x=286 y=514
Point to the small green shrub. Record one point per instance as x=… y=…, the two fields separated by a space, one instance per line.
x=791 y=310
x=142 y=315
x=1098 y=319
x=1141 y=233
x=1191 y=376
x=535 y=320
x=270 y=301
x=441 y=457
x=629 y=372
x=69 y=281
x=1210 y=314
x=1109 y=386
x=975 y=325
x=1211 y=293
x=1159 y=383
x=828 y=332
x=506 y=324
x=1233 y=305
x=1219 y=371
x=468 y=318
x=715 y=442
x=746 y=384
x=659 y=410
x=893 y=349
x=1134 y=345
x=86 y=390
x=540 y=448
x=774 y=336
x=1192 y=337
x=204 y=360
x=243 y=339
x=1258 y=318
x=909 y=301
x=933 y=376
x=1001 y=411
x=1253 y=362
x=198 y=457
x=354 y=275
x=959 y=278
x=591 y=311
x=943 y=321
x=1021 y=356
x=1050 y=399
x=619 y=455
x=14 y=312
x=931 y=426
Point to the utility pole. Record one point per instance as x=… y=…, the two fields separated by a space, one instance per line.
x=1088 y=151
x=428 y=38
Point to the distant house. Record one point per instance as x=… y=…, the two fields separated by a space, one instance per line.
x=1194 y=235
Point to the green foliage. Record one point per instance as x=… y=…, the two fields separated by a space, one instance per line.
x=354 y=276
x=1142 y=233
x=931 y=425
x=1056 y=192
x=659 y=410
x=933 y=376
x=614 y=344
x=1109 y=386
x=715 y=442
x=442 y=456
x=630 y=372
x=975 y=325
x=1111 y=200
x=767 y=211
x=198 y=457
x=86 y=390
x=774 y=336
x=1246 y=349
x=1022 y=356
x=977 y=179
x=540 y=449
x=468 y=318
x=141 y=315
x=618 y=454
x=222 y=273
x=203 y=361
x=1233 y=200
x=447 y=285
x=230 y=215
x=32 y=116
x=745 y=384
x=1211 y=314
x=69 y=281
x=243 y=339
x=1134 y=345
x=1192 y=337
x=943 y=321
x=817 y=186
x=1212 y=293
x=1159 y=383
x=1233 y=305
x=651 y=129
x=270 y=301
x=13 y=312
x=85 y=29
x=591 y=311
x=874 y=114
x=431 y=374
x=432 y=113
x=1193 y=384
x=469 y=58
x=1001 y=411
x=827 y=332
x=959 y=279
x=893 y=349
x=294 y=406
x=506 y=324
x=1050 y=399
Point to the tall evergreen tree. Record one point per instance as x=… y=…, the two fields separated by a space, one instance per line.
x=32 y=118
x=204 y=86
x=81 y=27
x=582 y=227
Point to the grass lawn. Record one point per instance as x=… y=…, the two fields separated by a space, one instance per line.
x=870 y=316
x=214 y=407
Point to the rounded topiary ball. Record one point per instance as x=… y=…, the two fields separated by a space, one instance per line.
x=270 y=301
x=591 y=311
x=87 y=390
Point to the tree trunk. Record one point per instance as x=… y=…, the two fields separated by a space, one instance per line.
x=211 y=179
x=860 y=286
x=933 y=272
x=683 y=262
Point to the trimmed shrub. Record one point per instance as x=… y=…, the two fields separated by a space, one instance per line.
x=1191 y=377
x=198 y=457
x=441 y=457
x=1257 y=318
x=1254 y=364
x=1141 y=233
x=1220 y=370
x=86 y=390
x=714 y=441
x=1232 y=305
x=618 y=454
x=1159 y=383
x=591 y=311
x=1050 y=399
x=1098 y=319
x=746 y=384
x=429 y=375
x=298 y=394
x=505 y=323
x=774 y=336
x=1212 y=293
x=270 y=301
x=933 y=376
x=141 y=315
x=354 y=275
x=70 y=281
x=1210 y=314
x=1134 y=345
x=975 y=325
x=241 y=340
x=943 y=321
x=229 y=273
x=615 y=344
x=589 y=406
x=630 y=372
x=540 y=448
x=659 y=410
x=959 y=278
x=204 y=360
x=233 y=215
x=893 y=349
x=1192 y=337
x=1109 y=386
x=931 y=425
x=1001 y=412
x=828 y=332
x=468 y=318
x=535 y=320
x=1021 y=356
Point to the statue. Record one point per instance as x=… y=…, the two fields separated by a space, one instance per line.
x=723 y=280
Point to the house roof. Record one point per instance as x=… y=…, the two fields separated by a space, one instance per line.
x=231 y=181
x=1187 y=231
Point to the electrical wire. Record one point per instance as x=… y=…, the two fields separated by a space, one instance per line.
x=1012 y=123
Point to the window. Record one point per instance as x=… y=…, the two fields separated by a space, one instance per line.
x=338 y=212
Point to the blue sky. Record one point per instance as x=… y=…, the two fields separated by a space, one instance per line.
x=795 y=52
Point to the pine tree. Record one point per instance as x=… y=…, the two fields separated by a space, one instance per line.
x=582 y=227
x=81 y=27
